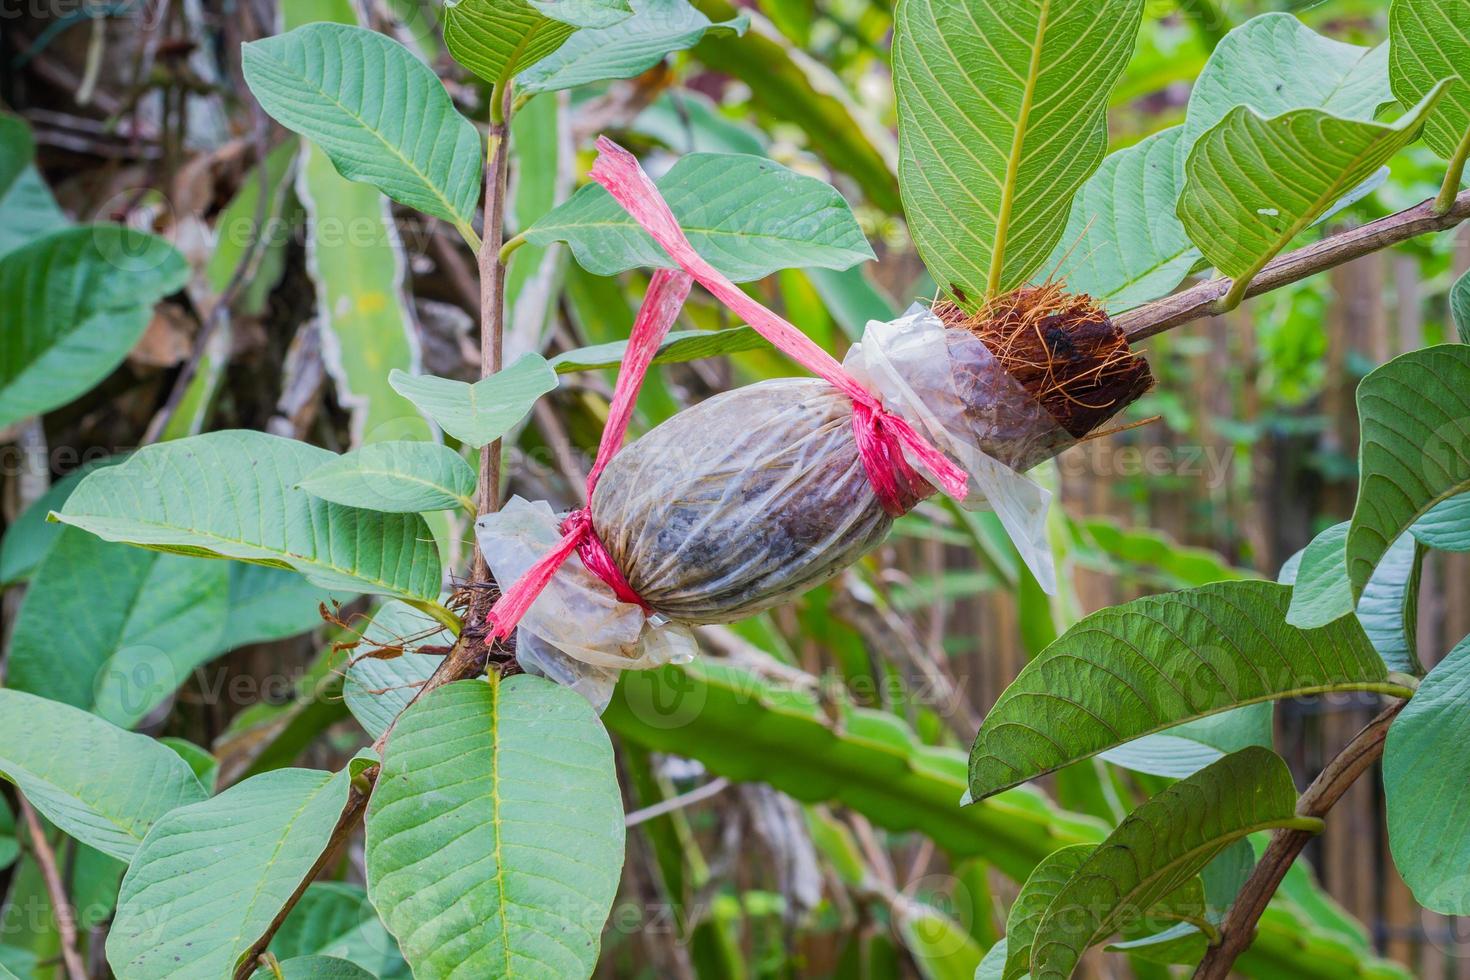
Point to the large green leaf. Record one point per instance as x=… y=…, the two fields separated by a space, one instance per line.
x=151 y=619
x=1274 y=63
x=102 y=785
x=678 y=346
x=657 y=29
x=496 y=39
x=1002 y=115
x=1429 y=41
x=211 y=877
x=1124 y=245
x=333 y=918
x=1414 y=413
x=1150 y=664
x=398 y=477
x=380 y=114
x=31 y=535
x=1237 y=208
x=1426 y=779
x=230 y=495
x=87 y=293
x=27 y=209
x=478 y=414
x=748 y=216
x=495 y=833
x=1161 y=846
x=1032 y=901
x=1460 y=307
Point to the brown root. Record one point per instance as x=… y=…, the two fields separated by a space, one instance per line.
x=1062 y=348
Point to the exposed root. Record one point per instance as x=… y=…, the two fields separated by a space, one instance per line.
x=1062 y=348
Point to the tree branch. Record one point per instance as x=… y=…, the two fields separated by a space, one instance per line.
x=1202 y=300
x=61 y=910
x=1239 y=928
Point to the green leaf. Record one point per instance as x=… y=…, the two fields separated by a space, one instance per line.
x=397 y=477
x=686 y=121
x=677 y=347
x=1032 y=901
x=1414 y=413
x=150 y=620
x=102 y=785
x=229 y=495
x=1002 y=115
x=1147 y=665
x=31 y=536
x=748 y=216
x=1124 y=245
x=27 y=209
x=656 y=30
x=380 y=114
x=1161 y=846
x=1460 y=307
x=376 y=688
x=335 y=919
x=1274 y=63
x=9 y=845
x=1388 y=609
x=1446 y=527
x=502 y=856
x=1239 y=211
x=1429 y=41
x=478 y=414
x=271 y=604
x=940 y=946
x=210 y=877
x=17 y=149
x=315 y=968
x=202 y=764
x=1426 y=780
x=496 y=39
x=88 y=293
x=1186 y=749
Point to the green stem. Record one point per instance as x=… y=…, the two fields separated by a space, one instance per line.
x=515 y=242
x=440 y=615
x=1453 y=178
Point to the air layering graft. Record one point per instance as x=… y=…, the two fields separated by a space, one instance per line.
x=758 y=494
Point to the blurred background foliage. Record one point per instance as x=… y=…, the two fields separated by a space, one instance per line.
x=795 y=791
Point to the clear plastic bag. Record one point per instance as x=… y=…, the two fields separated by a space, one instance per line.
x=756 y=495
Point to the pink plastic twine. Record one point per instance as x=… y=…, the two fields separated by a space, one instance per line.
x=667 y=291
x=881 y=436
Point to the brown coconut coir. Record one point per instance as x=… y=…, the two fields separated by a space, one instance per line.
x=1062 y=348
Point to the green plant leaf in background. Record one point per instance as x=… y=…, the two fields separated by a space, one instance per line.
x=210 y=877
x=88 y=293
x=29 y=537
x=334 y=918
x=1144 y=666
x=1124 y=245
x=397 y=477
x=9 y=845
x=377 y=689
x=497 y=39
x=230 y=495
x=1002 y=116
x=271 y=604
x=1414 y=450
x=677 y=347
x=102 y=785
x=1274 y=63
x=1446 y=527
x=1388 y=609
x=1186 y=749
x=27 y=209
x=657 y=29
x=313 y=968
x=502 y=856
x=1426 y=780
x=380 y=114
x=151 y=619
x=478 y=414
x=1159 y=847
x=940 y=946
x=1429 y=41
x=1460 y=307
x=748 y=216
x=1241 y=213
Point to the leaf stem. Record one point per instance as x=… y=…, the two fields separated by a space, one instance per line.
x=1204 y=299
x=1453 y=177
x=515 y=242
x=1238 y=929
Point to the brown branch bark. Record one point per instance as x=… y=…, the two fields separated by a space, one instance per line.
x=1239 y=928
x=61 y=909
x=1203 y=300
